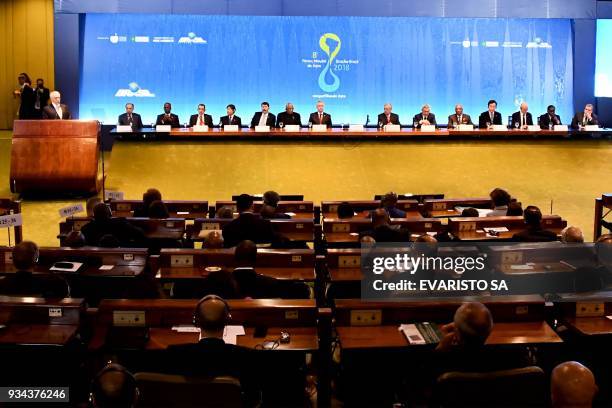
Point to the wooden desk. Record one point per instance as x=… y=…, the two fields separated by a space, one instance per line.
x=38 y=334
x=295 y=229
x=471 y=228
x=362 y=208
x=177 y=208
x=600 y=203
x=573 y=310
x=168 y=228
x=445 y=208
x=299 y=209
x=347 y=230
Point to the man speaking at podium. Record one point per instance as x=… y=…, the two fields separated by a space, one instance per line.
x=56 y=110
x=129 y=118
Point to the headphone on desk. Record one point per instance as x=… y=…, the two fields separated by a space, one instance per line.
x=196 y=314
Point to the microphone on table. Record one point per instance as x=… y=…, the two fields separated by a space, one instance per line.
x=367 y=120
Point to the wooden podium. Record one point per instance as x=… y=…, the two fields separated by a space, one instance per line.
x=55 y=156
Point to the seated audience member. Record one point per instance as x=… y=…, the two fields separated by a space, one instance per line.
x=91 y=203
x=534 y=231
x=251 y=284
x=271 y=199
x=158 y=209
x=389 y=203
x=214 y=240
x=572 y=234
x=114 y=387
x=75 y=239
x=367 y=240
x=426 y=239
x=383 y=231
x=500 y=199
x=103 y=224
x=224 y=212
x=469 y=212
x=514 y=208
x=572 y=385
x=25 y=283
x=469 y=330
x=247 y=226
x=345 y=210
x=109 y=241
x=142 y=210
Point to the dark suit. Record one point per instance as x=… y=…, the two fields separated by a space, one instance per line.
x=195 y=120
x=136 y=121
x=25 y=283
x=41 y=98
x=393 y=119
x=287 y=119
x=579 y=120
x=534 y=235
x=26 y=108
x=271 y=121
x=387 y=233
x=247 y=226
x=546 y=120
x=49 y=112
x=516 y=118
x=125 y=233
x=325 y=120
x=235 y=121
x=465 y=120
x=419 y=117
x=173 y=120
x=486 y=117
x=254 y=285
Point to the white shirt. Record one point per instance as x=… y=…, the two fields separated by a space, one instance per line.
x=58 y=109
x=263 y=119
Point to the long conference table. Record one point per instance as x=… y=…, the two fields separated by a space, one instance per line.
x=365 y=134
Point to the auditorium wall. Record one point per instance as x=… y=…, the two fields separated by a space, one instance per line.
x=26 y=45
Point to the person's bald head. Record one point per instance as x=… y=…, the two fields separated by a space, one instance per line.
x=380 y=217
x=473 y=323
x=572 y=234
x=367 y=240
x=605 y=239
x=212 y=315
x=245 y=254
x=214 y=240
x=102 y=212
x=25 y=255
x=114 y=387
x=572 y=385
x=524 y=107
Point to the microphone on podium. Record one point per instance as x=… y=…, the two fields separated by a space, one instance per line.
x=367 y=120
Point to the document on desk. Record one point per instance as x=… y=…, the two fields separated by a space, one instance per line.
x=230 y=334
x=496 y=229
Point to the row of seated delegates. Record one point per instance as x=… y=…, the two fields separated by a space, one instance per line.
x=105 y=230
x=32 y=99
x=242 y=282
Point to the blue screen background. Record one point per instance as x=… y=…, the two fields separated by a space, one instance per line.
x=245 y=60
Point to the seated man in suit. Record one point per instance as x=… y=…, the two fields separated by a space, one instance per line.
x=248 y=226
x=571 y=234
x=345 y=210
x=201 y=118
x=389 y=203
x=469 y=330
x=490 y=116
x=168 y=118
x=550 y=118
x=114 y=386
x=288 y=117
x=388 y=117
x=534 y=231
x=572 y=385
x=231 y=118
x=271 y=199
x=500 y=199
x=522 y=118
x=25 y=283
x=56 y=110
x=424 y=118
x=264 y=118
x=585 y=118
x=320 y=117
x=104 y=224
x=130 y=118
x=459 y=118
x=383 y=231
x=142 y=210
x=251 y=284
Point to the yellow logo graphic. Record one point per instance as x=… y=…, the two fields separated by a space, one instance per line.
x=331 y=55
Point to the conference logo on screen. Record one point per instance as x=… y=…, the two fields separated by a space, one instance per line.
x=134 y=91
x=192 y=38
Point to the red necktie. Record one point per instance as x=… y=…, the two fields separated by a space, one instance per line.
x=201 y=121
x=388 y=118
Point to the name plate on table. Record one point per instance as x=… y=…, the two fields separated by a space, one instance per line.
x=71 y=210
x=292 y=128
x=198 y=128
x=123 y=129
x=393 y=128
x=428 y=128
x=465 y=128
x=355 y=128
x=230 y=128
x=11 y=220
x=533 y=128
x=163 y=128
x=591 y=128
x=262 y=128
x=560 y=128
x=319 y=128
x=499 y=128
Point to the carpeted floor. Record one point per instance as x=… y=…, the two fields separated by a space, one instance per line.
x=570 y=174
